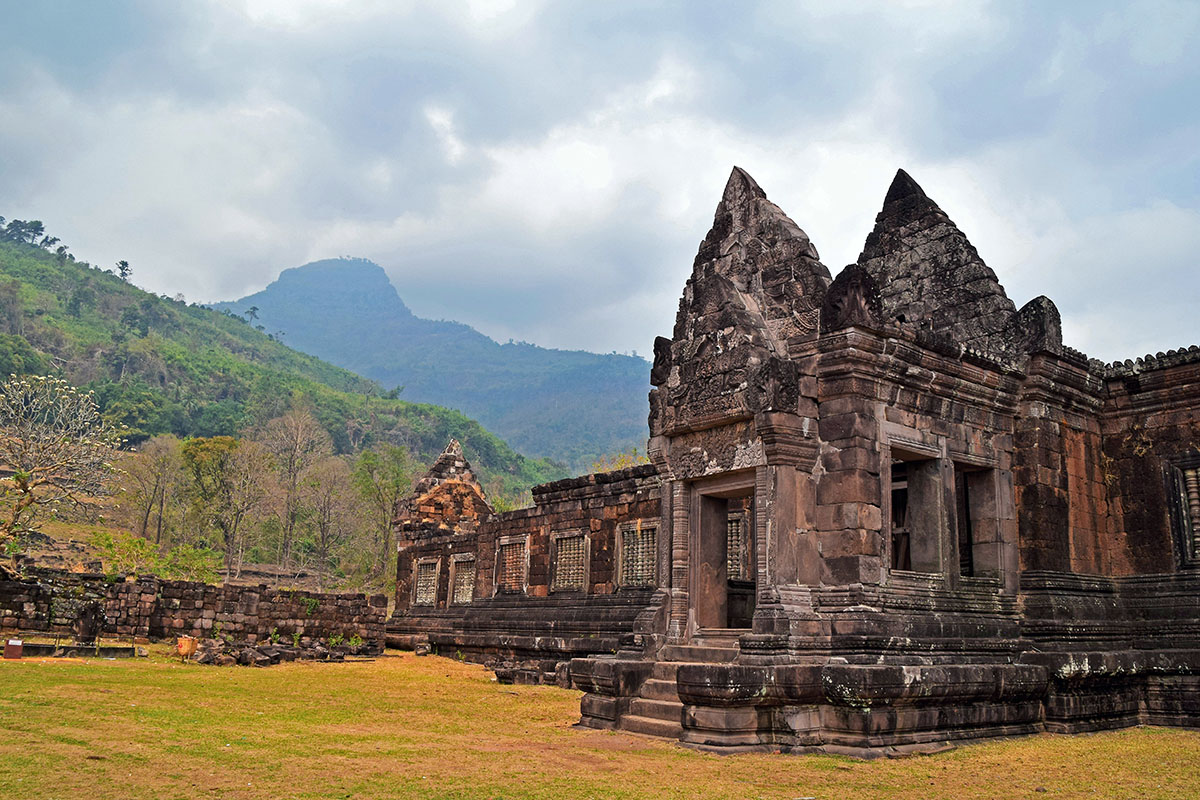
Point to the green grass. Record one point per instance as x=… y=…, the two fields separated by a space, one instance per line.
x=431 y=727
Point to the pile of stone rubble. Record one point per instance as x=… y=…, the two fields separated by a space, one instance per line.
x=225 y=653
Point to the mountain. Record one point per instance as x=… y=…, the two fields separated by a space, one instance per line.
x=159 y=365
x=568 y=405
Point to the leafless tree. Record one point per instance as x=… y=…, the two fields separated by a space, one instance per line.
x=55 y=450
x=153 y=484
x=296 y=441
x=230 y=478
x=329 y=496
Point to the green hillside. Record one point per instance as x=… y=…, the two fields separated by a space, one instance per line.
x=568 y=405
x=159 y=365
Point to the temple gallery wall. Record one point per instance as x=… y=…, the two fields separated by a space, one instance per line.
x=883 y=512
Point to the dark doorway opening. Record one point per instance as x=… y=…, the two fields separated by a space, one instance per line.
x=727 y=567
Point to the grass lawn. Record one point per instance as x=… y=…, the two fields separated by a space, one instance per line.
x=430 y=727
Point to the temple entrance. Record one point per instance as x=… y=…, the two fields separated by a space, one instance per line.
x=726 y=566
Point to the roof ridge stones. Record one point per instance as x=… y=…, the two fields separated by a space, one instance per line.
x=1148 y=363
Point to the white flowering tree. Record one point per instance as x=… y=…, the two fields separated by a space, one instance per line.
x=55 y=450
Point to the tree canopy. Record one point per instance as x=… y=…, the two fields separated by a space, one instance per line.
x=55 y=449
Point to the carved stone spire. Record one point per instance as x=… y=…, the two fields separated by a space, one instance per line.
x=447 y=492
x=756 y=286
x=930 y=275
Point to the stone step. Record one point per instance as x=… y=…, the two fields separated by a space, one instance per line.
x=650 y=726
x=698 y=653
x=664 y=671
x=656 y=709
x=657 y=689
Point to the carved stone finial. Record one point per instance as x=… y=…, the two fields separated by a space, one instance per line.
x=1037 y=327
x=661 y=369
x=852 y=299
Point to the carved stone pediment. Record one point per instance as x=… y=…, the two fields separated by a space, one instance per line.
x=756 y=285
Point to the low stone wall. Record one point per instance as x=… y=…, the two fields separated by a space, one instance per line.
x=56 y=602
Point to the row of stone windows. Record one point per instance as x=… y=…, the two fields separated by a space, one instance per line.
x=637 y=558
x=462 y=580
x=637 y=565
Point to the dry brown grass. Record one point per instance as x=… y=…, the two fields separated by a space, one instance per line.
x=431 y=727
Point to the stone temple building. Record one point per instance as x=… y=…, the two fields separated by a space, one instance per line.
x=883 y=512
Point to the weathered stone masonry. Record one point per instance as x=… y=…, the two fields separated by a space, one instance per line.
x=55 y=602
x=889 y=510
x=517 y=613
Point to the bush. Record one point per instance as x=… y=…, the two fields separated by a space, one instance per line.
x=126 y=553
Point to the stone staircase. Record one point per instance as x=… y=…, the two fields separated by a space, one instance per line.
x=657 y=710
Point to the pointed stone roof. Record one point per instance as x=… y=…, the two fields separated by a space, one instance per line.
x=447 y=492
x=929 y=274
x=450 y=465
x=756 y=289
x=775 y=276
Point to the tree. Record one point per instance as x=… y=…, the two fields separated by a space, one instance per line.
x=383 y=477
x=154 y=482
x=25 y=232
x=623 y=460
x=124 y=270
x=328 y=495
x=252 y=313
x=230 y=479
x=297 y=442
x=57 y=446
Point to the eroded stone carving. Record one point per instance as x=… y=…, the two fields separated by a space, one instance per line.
x=852 y=299
x=757 y=285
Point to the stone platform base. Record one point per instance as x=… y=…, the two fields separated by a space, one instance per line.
x=874 y=710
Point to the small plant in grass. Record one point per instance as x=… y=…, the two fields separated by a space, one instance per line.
x=335 y=640
x=295 y=638
x=355 y=641
x=274 y=636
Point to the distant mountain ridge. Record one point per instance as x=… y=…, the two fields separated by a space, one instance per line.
x=568 y=405
x=158 y=365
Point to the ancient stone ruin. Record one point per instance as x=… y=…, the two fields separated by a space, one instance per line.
x=75 y=608
x=883 y=512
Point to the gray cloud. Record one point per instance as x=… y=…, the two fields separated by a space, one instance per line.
x=545 y=171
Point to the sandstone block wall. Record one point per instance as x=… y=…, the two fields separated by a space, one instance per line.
x=1151 y=425
x=52 y=602
x=536 y=628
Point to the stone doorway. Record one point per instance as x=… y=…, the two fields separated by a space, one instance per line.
x=725 y=564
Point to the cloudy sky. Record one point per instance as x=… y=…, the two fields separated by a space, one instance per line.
x=544 y=171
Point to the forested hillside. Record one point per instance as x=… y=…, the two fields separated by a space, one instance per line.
x=162 y=365
x=571 y=406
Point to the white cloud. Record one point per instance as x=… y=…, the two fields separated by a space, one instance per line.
x=547 y=177
x=442 y=122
